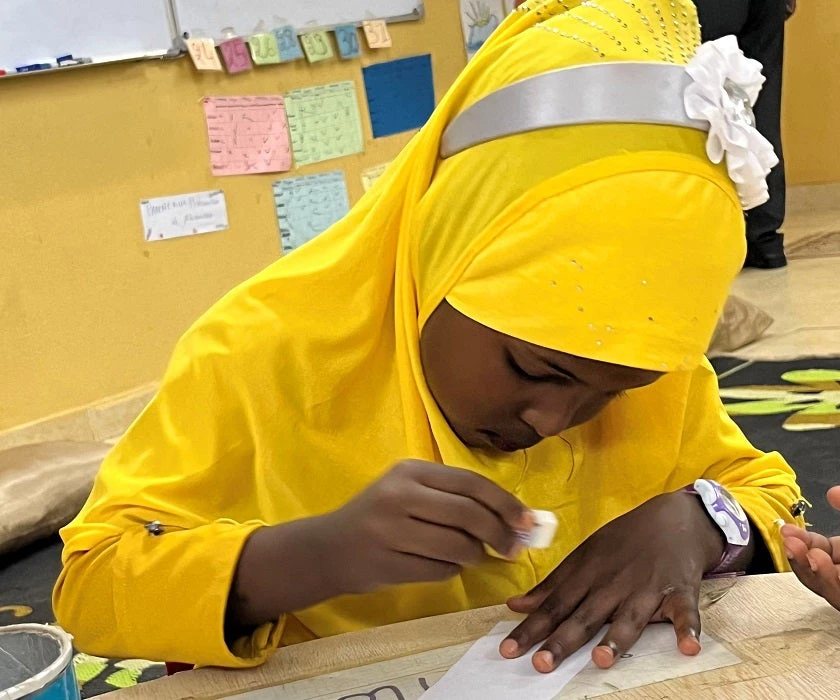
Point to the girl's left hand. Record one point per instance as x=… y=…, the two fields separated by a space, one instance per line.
x=645 y=566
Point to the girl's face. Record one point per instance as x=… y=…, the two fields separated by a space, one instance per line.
x=505 y=394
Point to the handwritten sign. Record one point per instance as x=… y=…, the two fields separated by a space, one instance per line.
x=203 y=54
x=400 y=94
x=183 y=215
x=307 y=206
x=317 y=46
x=324 y=122
x=248 y=135
x=235 y=53
x=347 y=39
x=287 y=42
x=377 y=34
x=264 y=49
x=371 y=175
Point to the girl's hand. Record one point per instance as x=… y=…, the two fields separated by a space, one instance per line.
x=420 y=522
x=643 y=567
x=815 y=559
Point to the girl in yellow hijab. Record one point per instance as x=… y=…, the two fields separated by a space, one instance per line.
x=530 y=311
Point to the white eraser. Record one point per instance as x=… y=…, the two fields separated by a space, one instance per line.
x=545 y=527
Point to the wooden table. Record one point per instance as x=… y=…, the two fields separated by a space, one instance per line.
x=788 y=641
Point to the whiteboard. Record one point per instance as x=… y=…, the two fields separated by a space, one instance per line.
x=211 y=18
x=39 y=31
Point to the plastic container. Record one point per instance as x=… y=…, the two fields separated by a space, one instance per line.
x=36 y=663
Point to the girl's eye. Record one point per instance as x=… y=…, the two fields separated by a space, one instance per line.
x=520 y=370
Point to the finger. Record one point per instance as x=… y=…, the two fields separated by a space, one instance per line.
x=409 y=568
x=477 y=487
x=437 y=542
x=682 y=608
x=462 y=512
x=628 y=624
x=833 y=496
x=812 y=540
x=528 y=603
x=540 y=623
x=578 y=629
x=826 y=575
x=797 y=554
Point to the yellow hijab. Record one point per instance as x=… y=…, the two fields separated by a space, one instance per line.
x=304 y=385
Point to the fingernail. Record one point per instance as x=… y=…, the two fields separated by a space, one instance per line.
x=544 y=661
x=812 y=563
x=693 y=634
x=604 y=656
x=509 y=648
x=788 y=553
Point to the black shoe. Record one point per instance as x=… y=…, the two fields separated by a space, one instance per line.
x=766 y=252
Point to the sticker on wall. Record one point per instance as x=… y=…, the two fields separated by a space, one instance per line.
x=400 y=94
x=347 y=39
x=264 y=49
x=371 y=175
x=248 y=135
x=317 y=46
x=377 y=34
x=479 y=19
x=236 y=56
x=184 y=215
x=203 y=54
x=288 y=43
x=307 y=206
x=324 y=122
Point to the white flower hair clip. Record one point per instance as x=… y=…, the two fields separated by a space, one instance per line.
x=724 y=89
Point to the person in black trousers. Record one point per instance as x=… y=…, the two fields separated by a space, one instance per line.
x=759 y=26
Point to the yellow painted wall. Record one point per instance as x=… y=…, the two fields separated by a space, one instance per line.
x=89 y=310
x=812 y=93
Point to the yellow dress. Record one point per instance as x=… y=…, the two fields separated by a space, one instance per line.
x=304 y=385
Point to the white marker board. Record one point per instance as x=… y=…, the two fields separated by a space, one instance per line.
x=210 y=18
x=39 y=31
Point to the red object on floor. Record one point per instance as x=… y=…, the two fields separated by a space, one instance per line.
x=172 y=668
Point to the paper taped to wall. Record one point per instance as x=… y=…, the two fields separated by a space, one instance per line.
x=248 y=134
x=184 y=215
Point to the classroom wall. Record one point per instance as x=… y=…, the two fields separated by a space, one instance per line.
x=89 y=310
x=812 y=93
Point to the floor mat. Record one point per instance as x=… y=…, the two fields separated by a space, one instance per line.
x=813 y=399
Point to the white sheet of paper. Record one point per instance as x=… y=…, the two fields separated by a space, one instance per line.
x=482 y=674
x=183 y=215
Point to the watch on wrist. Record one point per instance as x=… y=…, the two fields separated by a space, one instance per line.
x=728 y=515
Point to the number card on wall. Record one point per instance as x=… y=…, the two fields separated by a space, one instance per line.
x=287 y=42
x=235 y=53
x=324 y=122
x=307 y=206
x=377 y=34
x=347 y=39
x=264 y=49
x=317 y=46
x=203 y=54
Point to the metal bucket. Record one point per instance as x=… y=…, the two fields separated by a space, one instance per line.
x=36 y=663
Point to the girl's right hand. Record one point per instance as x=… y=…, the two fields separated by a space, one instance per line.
x=420 y=522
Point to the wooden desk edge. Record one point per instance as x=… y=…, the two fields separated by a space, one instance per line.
x=371 y=646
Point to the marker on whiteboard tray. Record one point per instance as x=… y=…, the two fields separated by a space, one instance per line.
x=31 y=68
x=542 y=533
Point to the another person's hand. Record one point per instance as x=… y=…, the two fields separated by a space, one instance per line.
x=815 y=559
x=643 y=567
x=791 y=7
x=421 y=522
